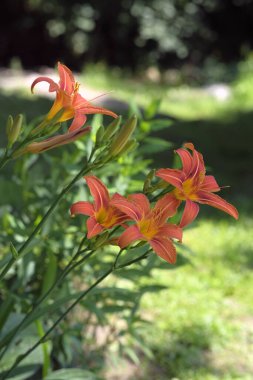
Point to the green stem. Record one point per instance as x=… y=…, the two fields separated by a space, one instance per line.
x=117 y=257
x=158 y=196
x=21 y=251
x=71 y=265
x=45 y=350
x=82 y=295
x=4 y=159
x=42 y=339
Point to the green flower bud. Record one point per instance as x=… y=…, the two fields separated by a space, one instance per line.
x=51 y=129
x=129 y=147
x=121 y=139
x=46 y=126
x=112 y=128
x=14 y=252
x=9 y=125
x=15 y=130
x=100 y=135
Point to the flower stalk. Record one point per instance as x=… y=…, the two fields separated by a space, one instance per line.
x=70 y=308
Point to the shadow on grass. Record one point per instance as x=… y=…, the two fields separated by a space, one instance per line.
x=188 y=352
x=225 y=144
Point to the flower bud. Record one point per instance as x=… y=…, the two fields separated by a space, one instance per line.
x=14 y=252
x=14 y=130
x=9 y=125
x=112 y=128
x=121 y=139
x=46 y=126
x=51 y=129
x=100 y=135
x=129 y=147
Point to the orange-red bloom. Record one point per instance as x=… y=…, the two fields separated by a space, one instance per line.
x=151 y=225
x=67 y=98
x=102 y=213
x=193 y=185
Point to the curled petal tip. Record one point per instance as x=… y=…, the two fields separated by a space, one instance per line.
x=189 y=145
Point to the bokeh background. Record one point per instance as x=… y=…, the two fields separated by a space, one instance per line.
x=193 y=60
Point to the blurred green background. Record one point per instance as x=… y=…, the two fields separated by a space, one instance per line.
x=195 y=59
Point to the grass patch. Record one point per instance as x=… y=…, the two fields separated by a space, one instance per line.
x=203 y=324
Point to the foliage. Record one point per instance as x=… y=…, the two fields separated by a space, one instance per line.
x=165 y=32
x=114 y=309
x=111 y=314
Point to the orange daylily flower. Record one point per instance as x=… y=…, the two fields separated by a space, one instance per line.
x=102 y=214
x=67 y=98
x=151 y=225
x=193 y=185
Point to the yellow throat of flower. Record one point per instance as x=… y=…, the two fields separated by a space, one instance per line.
x=148 y=228
x=106 y=217
x=188 y=191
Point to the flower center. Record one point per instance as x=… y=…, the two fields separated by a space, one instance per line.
x=106 y=217
x=188 y=191
x=148 y=228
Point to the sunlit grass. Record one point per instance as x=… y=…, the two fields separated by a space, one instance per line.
x=184 y=102
x=203 y=324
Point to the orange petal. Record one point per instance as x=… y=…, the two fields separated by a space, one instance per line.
x=190 y=213
x=166 y=207
x=127 y=207
x=198 y=166
x=173 y=176
x=99 y=192
x=53 y=142
x=78 y=121
x=81 y=207
x=164 y=248
x=186 y=159
x=67 y=80
x=189 y=146
x=217 y=202
x=209 y=184
x=84 y=106
x=52 y=85
x=93 y=228
x=171 y=231
x=141 y=201
x=130 y=235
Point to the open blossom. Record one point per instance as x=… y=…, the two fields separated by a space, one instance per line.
x=193 y=185
x=102 y=214
x=150 y=223
x=68 y=98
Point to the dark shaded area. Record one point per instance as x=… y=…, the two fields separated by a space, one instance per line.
x=187 y=351
x=132 y=34
x=225 y=145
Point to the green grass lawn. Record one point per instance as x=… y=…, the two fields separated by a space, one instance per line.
x=203 y=323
